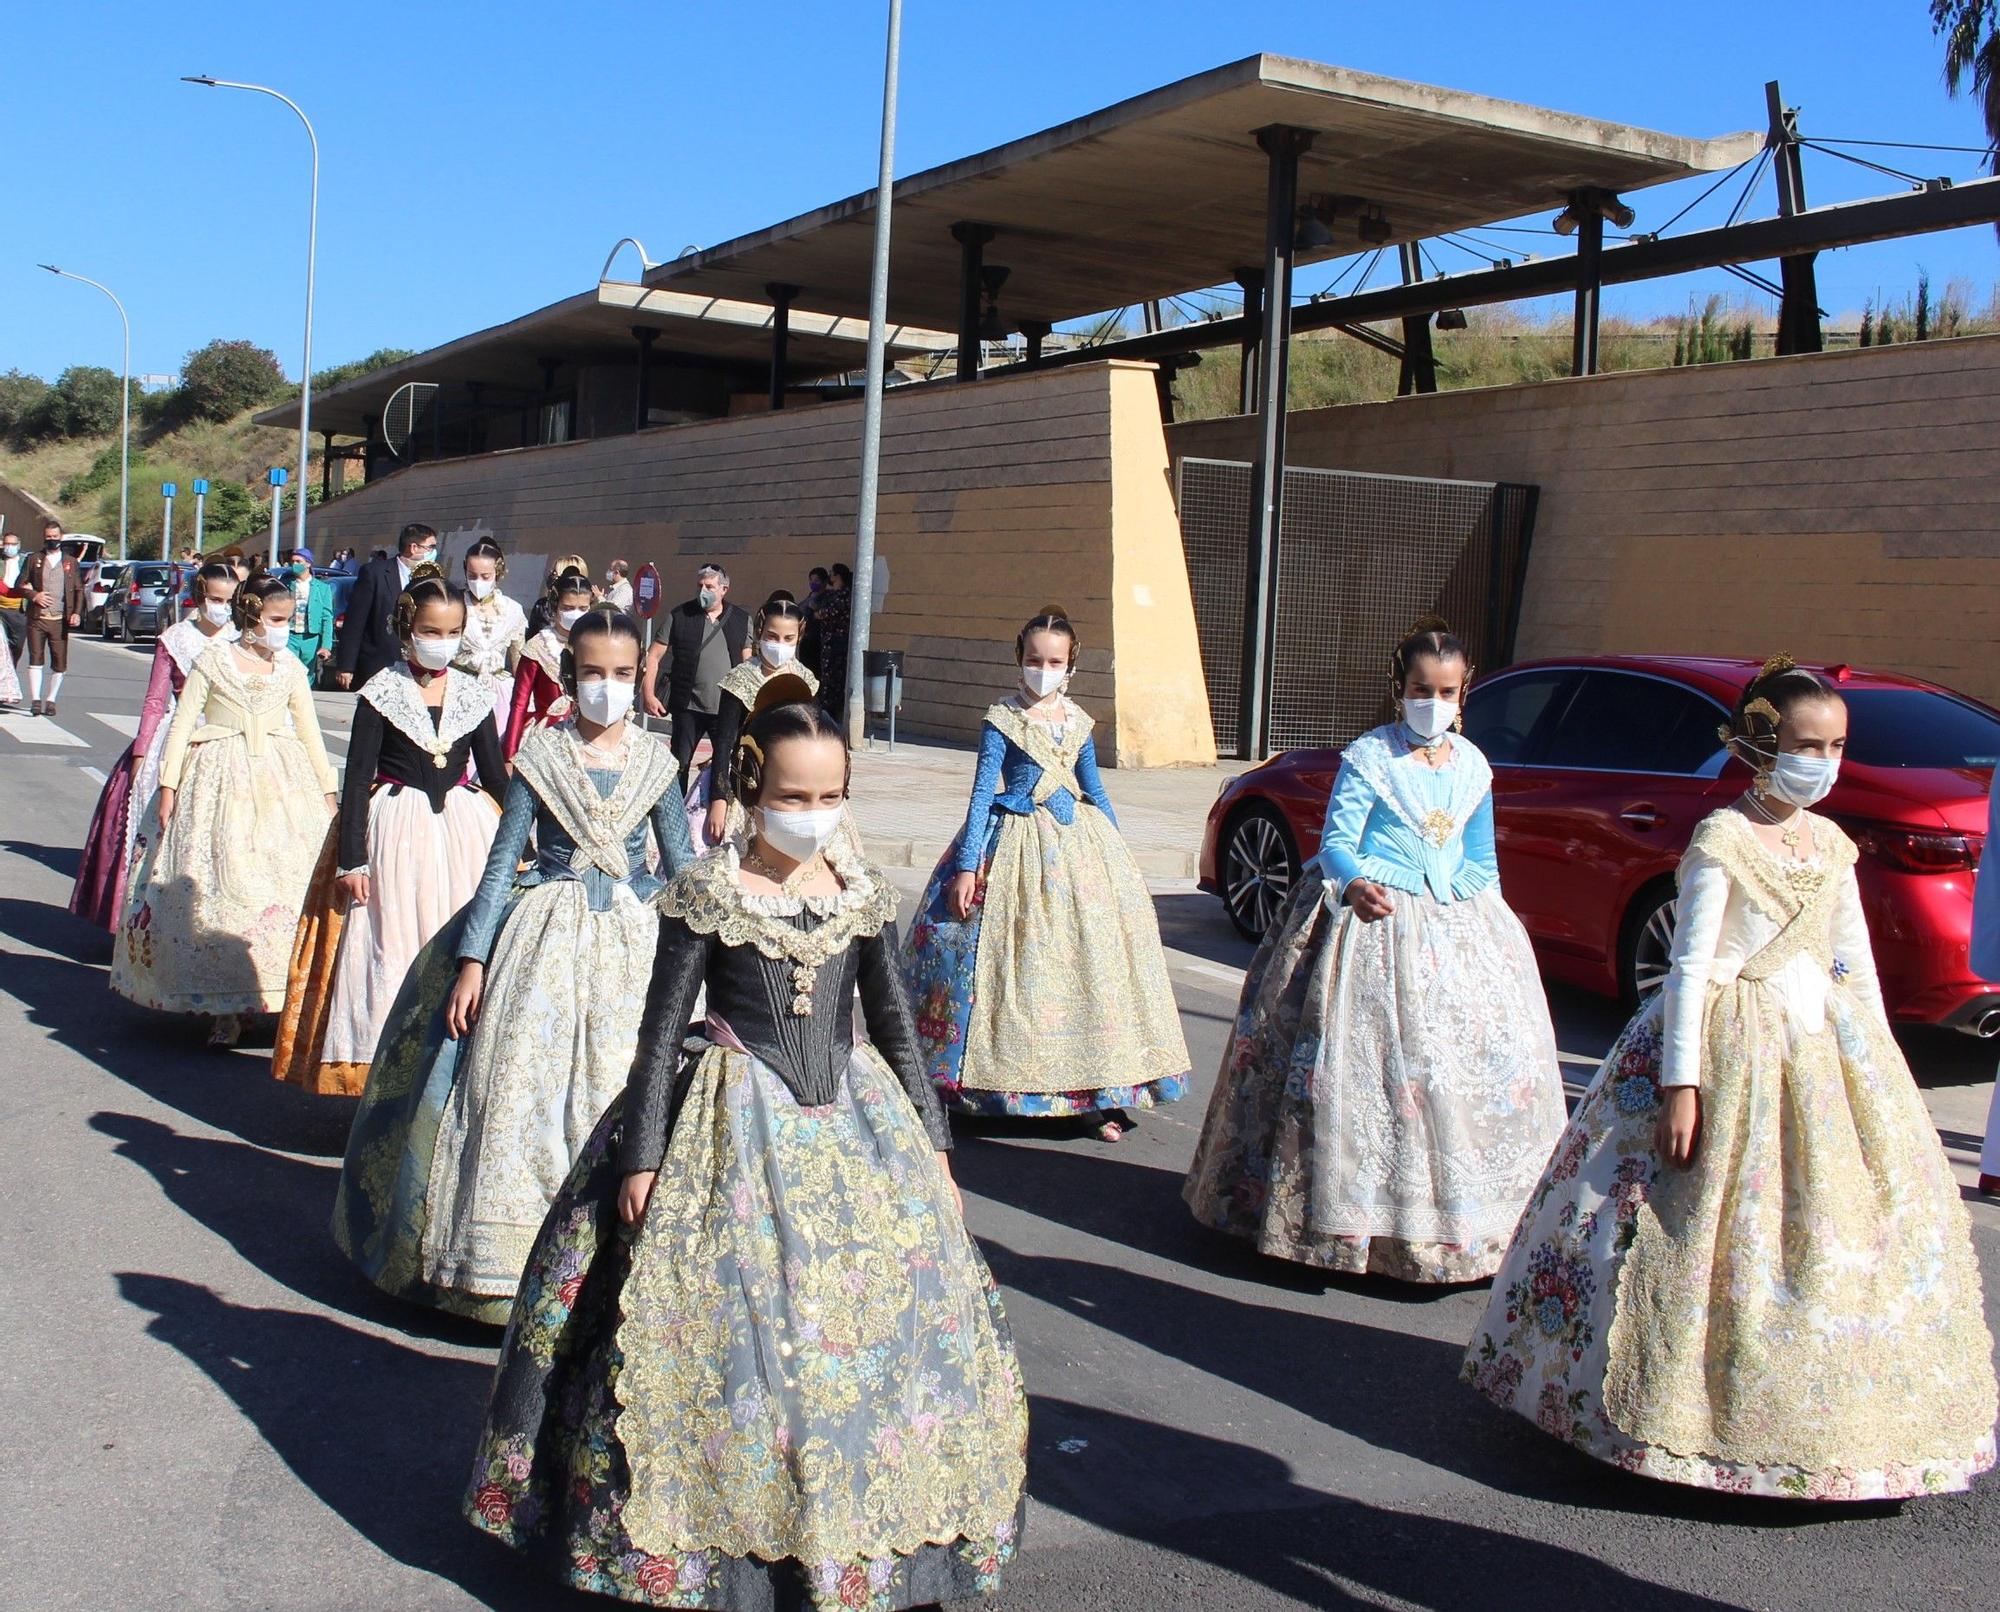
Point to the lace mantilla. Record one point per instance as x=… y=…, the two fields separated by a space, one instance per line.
x=545 y=649
x=1777 y=887
x=491 y=629
x=710 y=899
x=746 y=677
x=553 y=762
x=1379 y=755
x=1055 y=753
x=186 y=643
x=467 y=703
x=252 y=692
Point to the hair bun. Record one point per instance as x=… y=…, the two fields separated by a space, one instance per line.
x=1424 y=624
x=1776 y=666
x=1056 y=612
x=429 y=571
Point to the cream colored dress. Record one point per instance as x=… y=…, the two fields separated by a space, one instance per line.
x=1799 y=1312
x=215 y=898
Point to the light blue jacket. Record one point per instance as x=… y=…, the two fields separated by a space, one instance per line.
x=1398 y=823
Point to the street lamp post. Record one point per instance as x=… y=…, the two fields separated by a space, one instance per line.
x=312 y=252
x=861 y=592
x=124 y=404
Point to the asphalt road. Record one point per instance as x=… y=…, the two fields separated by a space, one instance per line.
x=202 y=1407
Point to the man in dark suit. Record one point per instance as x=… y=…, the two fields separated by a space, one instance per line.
x=50 y=584
x=367 y=641
x=705 y=637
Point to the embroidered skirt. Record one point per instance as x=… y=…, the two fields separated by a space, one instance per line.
x=422 y=867
x=1389 y=1093
x=791 y=1385
x=101 y=876
x=1796 y=1314
x=215 y=898
x=1053 y=997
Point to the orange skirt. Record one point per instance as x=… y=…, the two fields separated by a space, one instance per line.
x=309 y=987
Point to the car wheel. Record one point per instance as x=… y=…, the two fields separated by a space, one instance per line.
x=1645 y=952
x=1258 y=868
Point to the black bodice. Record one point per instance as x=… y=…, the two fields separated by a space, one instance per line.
x=379 y=749
x=752 y=994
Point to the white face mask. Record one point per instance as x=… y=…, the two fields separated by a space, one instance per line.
x=603 y=701
x=217 y=614
x=800 y=834
x=1804 y=780
x=1042 y=681
x=1429 y=719
x=568 y=618
x=276 y=637
x=776 y=654
x=434 y=654
x=480 y=587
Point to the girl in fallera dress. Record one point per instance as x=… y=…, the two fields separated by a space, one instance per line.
x=101 y=880
x=1035 y=960
x=225 y=854
x=517 y=1025
x=776 y=635
x=757 y=1362
x=496 y=629
x=1747 y=1267
x=408 y=850
x=538 y=687
x=1390 y=1090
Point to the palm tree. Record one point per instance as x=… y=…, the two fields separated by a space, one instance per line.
x=1971 y=30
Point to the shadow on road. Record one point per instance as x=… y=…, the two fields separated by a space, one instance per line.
x=1298 y=1542
x=1194 y=922
x=382 y=1433
x=274 y=1211
x=63 y=859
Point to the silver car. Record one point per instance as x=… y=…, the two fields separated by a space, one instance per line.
x=144 y=602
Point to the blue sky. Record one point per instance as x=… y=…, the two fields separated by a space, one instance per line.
x=478 y=161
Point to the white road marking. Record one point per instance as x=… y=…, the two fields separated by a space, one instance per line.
x=127 y=725
x=40 y=730
x=94 y=774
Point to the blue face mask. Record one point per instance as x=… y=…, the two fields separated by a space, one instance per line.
x=1804 y=780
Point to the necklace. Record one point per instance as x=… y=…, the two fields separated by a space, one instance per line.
x=1787 y=827
x=805 y=973
x=789 y=883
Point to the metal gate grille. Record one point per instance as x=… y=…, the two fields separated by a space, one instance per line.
x=1359 y=559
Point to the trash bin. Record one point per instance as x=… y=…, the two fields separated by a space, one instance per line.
x=882 y=675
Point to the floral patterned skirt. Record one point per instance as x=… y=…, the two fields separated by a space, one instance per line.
x=382 y=1208
x=1389 y=1093
x=215 y=897
x=791 y=1385
x=1053 y=998
x=1798 y=1314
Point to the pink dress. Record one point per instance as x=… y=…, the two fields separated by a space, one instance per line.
x=128 y=793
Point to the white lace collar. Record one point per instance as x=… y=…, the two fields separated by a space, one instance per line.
x=1380 y=757
x=186 y=643
x=394 y=692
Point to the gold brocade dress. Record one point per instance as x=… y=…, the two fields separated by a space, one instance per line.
x=215 y=897
x=791 y=1385
x=1799 y=1312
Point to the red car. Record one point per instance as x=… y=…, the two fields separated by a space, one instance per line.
x=1602 y=767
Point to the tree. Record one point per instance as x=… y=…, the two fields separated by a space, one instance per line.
x=1971 y=30
x=21 y=398
x=230 y=514
x=381 y=358
x=221 y=380
x=82 y=403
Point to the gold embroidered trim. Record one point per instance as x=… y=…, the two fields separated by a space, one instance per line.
x=1056 y=757
x=551 y=759
x=746 y=677
x=707 y=896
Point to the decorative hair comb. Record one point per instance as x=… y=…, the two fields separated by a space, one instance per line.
x=1776 y=666
x=1763 y=708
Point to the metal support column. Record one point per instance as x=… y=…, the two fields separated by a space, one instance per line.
x=781 y=335
x=325 y=466
x=1252 y=282
x=1798 y=310
x=1589 y=283
x=1419 y=373
x=642 y=394
x=1284 y=146
x=972 y=239
x=1037 y=332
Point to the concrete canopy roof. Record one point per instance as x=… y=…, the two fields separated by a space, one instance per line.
x=596 y=328
x=1165 y=193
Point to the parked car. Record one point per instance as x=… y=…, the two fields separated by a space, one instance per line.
x=83 y=548
x=1603 y=766
x=144 y=602
x=97 y=589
